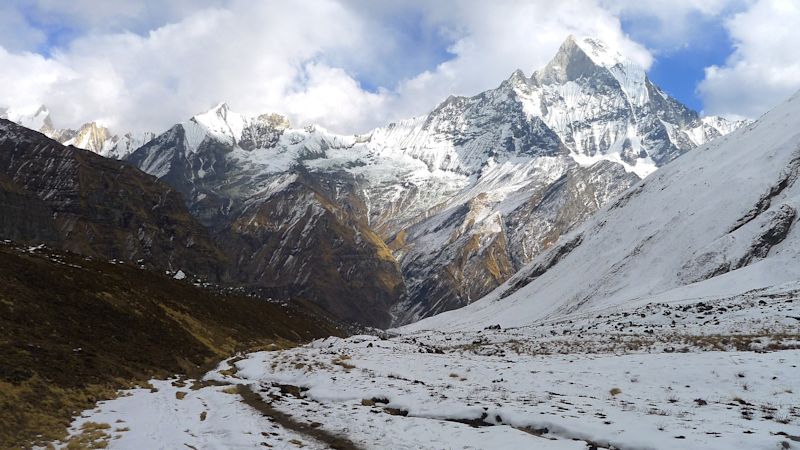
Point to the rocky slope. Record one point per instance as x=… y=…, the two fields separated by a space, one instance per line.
x=464 y=196
x=81 y=202
x=720 y=221
x=289 y=232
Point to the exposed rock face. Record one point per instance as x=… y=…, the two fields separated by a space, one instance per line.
x=299 y=243
x=464 y=196
x=96 y=206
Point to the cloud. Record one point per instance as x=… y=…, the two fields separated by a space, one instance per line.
x=764 y=68
x=347 y=65
x=251 y=56
x=25 y=76
x=16 y=33
x=93 y=16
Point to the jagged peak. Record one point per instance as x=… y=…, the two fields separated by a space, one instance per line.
x=93 y=126
x=589 y=57
x=225 y=125
x=517 y=74
x=223 y=112
x=578 y=57
x=601 y=53
x=220 y=110
x=517 y=78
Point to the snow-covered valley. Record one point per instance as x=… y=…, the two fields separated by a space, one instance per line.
x=669 y=320
x=711 y=373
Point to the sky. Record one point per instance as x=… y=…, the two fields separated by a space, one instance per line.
x=351 y=65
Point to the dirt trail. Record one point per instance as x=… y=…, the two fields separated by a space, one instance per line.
x=333 y=440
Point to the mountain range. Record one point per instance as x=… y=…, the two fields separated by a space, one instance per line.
x=423 y=215
x=718 y=223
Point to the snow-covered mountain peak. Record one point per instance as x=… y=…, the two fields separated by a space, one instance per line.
x=219 y=122
x=588 y=58
x=599 y=52
x=222 y=124
x=517 y=78
x=92 y=136
x=720 y=221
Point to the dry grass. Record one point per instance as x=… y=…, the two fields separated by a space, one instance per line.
x=93 y=435
x=38 y=412
x=71 y=336
x=341 y=360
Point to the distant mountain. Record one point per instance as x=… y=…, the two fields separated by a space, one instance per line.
x=91 y=136
x=431 y=213
x=720 y=221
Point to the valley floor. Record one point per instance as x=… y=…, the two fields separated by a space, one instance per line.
x=713 y=374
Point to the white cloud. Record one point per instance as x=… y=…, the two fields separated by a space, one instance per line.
x=104 y=15
x=300 y=59
x=331 y=97
x=251 y=55
x=764 y=68
x=25 y=76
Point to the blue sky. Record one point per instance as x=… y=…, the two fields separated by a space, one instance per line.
x=354 y=64
x=680 y=70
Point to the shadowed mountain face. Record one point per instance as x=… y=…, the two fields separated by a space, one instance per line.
x=82 y=202
x=298 y=242
x=463 y=197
